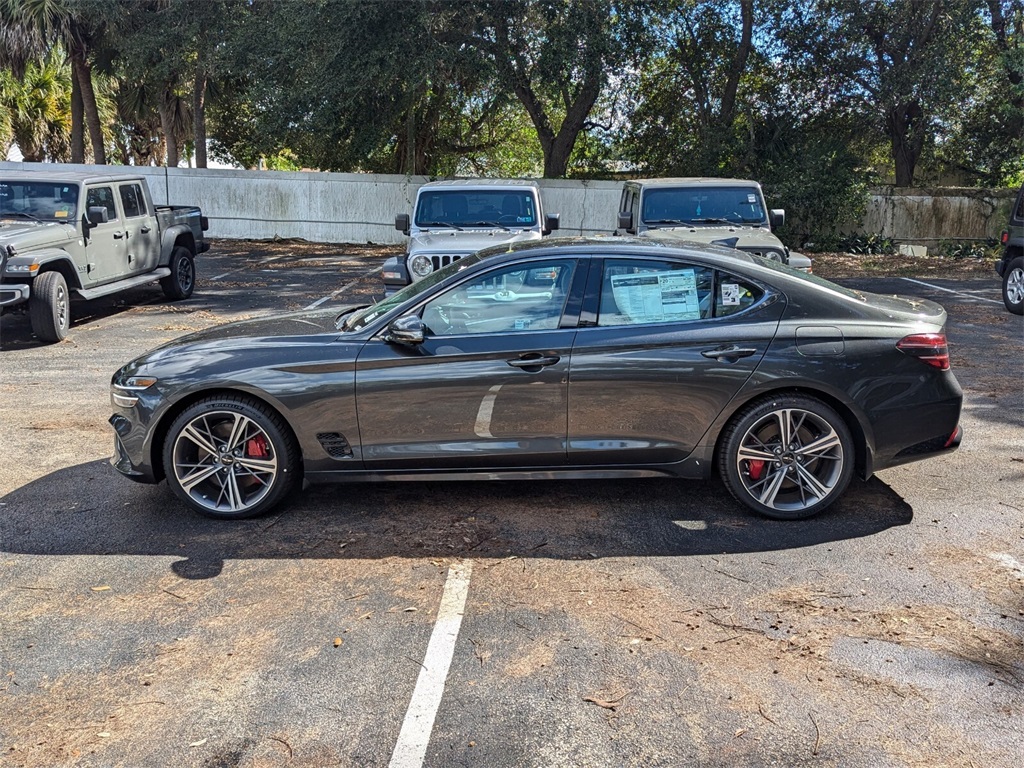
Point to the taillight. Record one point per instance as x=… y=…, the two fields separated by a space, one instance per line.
x=1005 y=237
x=928 y=348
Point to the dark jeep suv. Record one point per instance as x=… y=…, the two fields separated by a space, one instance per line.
x=1011 y=266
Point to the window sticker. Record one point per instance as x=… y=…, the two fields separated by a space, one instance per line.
x=751 y=198
x=657 y=296
x=730 y=294
x=521 y=324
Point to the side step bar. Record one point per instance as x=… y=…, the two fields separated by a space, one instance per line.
x=121 y=285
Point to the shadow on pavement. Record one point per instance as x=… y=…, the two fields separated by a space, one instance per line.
x=89 y=510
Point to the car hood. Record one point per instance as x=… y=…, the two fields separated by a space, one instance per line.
x=31 y=234
x=312 y=322
x=467 y=241
x=730 y=236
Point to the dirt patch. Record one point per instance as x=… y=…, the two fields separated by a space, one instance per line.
x=836 y=265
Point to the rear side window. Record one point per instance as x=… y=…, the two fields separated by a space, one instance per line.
x=636 y=292
x=102 y=197
x=132 y=201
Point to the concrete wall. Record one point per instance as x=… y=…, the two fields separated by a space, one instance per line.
x=929 y=215
x=360 y=208
x=331 y=207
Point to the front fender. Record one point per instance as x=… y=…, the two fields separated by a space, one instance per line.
x=46 y=258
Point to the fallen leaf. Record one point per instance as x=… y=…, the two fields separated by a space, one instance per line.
x=338 y=641
x=739 y=732
x=198 y=743
x=409 y=610
x=612 y=704
x=104 y=734
x=100 y=589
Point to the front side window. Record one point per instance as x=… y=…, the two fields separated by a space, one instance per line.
x=703 y=205
x=102 y=197
x=638 y=292
x=516 y=298
x=484 y=208
x=132 y=201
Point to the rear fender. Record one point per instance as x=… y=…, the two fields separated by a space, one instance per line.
x=170 y=238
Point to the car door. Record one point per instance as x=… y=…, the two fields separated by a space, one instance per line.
x=668 y=345
x=105 y=244
x=140 y=231
x=487 y=387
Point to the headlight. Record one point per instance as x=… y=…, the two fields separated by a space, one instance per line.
x=121 y=392
x=420 y=266
x=21 y=269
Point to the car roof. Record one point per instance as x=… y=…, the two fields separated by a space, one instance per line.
x=689 y=181
x=73 y=177
x=479 y=184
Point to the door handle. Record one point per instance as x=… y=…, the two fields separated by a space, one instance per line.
x=533 y=361
x=145 y=230
x=729 y=352
x=118 y=235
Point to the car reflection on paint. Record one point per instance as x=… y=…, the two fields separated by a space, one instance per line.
x=579 y=358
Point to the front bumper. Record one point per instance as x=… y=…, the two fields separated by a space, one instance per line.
x=13 y=294
x=395 y=275
x=121 y=460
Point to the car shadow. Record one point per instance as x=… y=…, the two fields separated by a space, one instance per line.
x=88 y=510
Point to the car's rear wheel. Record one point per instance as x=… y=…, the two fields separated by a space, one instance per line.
x=49 y=307
x=1013 y=286
x=230 y=457
x=787 y=457
x=182 y=281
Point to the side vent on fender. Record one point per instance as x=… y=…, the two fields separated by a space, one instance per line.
x=335 y=444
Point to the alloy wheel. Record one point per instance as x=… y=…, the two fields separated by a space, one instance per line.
x=1015 y=286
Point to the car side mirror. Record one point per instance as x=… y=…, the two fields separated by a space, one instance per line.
x=98 y=215
x=402 y=223
x=626 y=221
x=407 y=330
x=552 y=221
x=776 y=217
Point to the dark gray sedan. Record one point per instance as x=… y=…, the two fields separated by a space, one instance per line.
x=606 y=357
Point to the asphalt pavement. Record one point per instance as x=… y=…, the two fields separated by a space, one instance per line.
x=560 y=623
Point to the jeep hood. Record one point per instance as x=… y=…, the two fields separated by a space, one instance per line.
x=28 y=235
x=744 y=237
x=467 y=241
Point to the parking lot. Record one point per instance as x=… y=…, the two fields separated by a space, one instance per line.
x=628 y=622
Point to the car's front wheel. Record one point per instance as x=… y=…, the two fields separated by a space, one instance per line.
x=787 y=457
x=1013 y=286
x=49 y=307
x=230 y=457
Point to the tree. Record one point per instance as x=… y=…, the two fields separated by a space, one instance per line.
x=556 y=57
x=37 y=108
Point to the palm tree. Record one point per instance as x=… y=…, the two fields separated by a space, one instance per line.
x=37 y=108
x=28 y=28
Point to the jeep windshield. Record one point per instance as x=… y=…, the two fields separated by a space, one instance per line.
x=675 y=206
x=38 y=201
x=486 y=208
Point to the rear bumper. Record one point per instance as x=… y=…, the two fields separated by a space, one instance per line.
x=13 y=294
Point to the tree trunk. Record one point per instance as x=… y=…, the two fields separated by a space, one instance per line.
x=82 y=72
x=199 y=115
x=167 y=127
x=905 y=125
x=77 y=122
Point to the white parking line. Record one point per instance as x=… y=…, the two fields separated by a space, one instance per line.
x=950 y=290
x=426 y=696
x=343 y=288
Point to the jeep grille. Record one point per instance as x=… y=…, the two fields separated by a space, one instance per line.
x=444 y=260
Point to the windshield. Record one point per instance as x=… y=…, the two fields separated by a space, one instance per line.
x=480 y=208
x=38 y=200
x=703 y=205
x=365 y=316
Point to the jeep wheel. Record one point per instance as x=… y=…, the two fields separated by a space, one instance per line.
x=182 y=281
x=1013 y=286
x=48 y=307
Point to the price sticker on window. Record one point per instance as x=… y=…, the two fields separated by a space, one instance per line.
x=730 y=294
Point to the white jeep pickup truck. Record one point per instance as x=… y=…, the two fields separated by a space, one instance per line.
x=453 y=219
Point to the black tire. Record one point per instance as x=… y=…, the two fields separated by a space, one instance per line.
x=786 y=481
x=1013 y=286
x=182 y=281
x=49 y=307
x=230 y=457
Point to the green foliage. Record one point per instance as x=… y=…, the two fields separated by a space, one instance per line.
x=984 y=250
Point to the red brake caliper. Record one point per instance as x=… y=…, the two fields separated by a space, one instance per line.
x=256 y=448
x=756 y=468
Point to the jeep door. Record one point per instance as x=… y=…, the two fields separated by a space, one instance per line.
x=142 y=236
x=105 y=246
x=487 y=387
